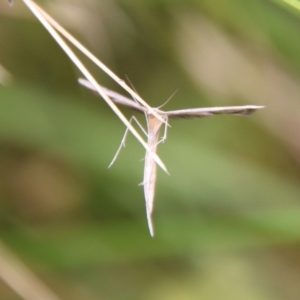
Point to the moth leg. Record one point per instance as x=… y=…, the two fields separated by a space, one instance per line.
x=122 y=144
x=164 y=137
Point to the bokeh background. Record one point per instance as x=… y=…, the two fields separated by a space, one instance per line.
x=227 y=219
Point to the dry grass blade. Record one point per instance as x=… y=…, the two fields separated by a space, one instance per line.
x=41 y=16
x=20 y=279
x=94 y=59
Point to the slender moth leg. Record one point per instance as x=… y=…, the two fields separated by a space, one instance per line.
x=122 y=144
x=165 y=133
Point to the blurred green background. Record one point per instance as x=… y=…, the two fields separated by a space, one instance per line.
x=227 y=219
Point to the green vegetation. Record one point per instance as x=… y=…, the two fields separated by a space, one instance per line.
x=227 y=219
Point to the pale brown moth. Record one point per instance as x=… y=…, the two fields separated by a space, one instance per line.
x=154 y=126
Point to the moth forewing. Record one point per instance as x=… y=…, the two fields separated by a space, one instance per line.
x=243 y=110
x=116 y=97
x=149 y=180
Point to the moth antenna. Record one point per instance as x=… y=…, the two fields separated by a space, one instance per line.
x=168 y=99
x=130 y=83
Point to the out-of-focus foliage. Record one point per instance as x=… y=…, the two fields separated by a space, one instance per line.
x=294 y=4
x=227 y=220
